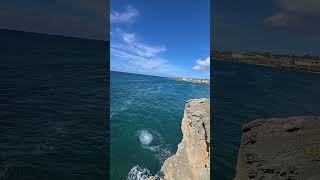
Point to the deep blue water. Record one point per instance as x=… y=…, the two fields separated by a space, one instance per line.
x=53 y=107
x=143 y=106
x=242 y=93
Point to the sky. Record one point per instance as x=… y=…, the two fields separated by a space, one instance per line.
x=278 y=26
x=75 y=18
x=162 y=38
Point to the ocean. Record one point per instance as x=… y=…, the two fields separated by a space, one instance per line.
x=54 y=116
x=145 y=121
x=53 y=107
x=243 y=92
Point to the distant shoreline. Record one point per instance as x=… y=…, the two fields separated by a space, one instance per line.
x=192 y=80
x=300 y=62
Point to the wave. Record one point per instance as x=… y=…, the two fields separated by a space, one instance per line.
x=140 y=173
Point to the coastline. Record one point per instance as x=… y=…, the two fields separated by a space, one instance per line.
x=192 y=80
x=192 y=159
x=305 y=63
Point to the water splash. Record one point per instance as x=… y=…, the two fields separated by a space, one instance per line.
x=145 y=137
x=138 y=173
x=160 y=151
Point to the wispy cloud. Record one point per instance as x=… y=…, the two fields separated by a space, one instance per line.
x=202 y=65
x=139 y=48
x=142 y=56
x=295 y=15
x=126 y=16
x=277 y=21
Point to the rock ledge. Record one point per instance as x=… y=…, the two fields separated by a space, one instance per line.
x=281 y=149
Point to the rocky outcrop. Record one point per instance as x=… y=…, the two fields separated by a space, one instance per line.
x=192 y=159
x=280 y=149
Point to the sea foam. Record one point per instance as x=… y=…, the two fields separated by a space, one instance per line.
x=138 y=173
x=145 y=137
x=161 y=152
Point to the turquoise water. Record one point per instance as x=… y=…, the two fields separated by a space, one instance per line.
x=145 y=121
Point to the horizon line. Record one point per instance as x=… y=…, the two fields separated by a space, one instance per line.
x=157 y=75
x=58 y=35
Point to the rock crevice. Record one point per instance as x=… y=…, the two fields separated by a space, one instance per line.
x=192 y=159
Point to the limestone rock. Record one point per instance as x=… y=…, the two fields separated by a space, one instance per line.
x=280 y=149
x=192 y=159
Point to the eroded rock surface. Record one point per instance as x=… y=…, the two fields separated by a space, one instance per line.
x=192 y=159
x=280 y=149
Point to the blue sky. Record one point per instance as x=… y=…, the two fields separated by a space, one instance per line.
x=164 y=38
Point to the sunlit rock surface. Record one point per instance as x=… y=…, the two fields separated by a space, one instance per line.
x=192 y=159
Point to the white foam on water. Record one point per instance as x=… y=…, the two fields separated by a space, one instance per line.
x=145 y=137
x=138 y=173
x=161 y=152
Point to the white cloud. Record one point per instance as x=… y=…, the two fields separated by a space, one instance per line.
x=139 y=48
x=202 y=64
x=294 y=14
x=129 y=37
x=142 y=56
x=277 y=20
x=126 y=16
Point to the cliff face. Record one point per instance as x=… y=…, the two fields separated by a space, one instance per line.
x=281 y=149
x=192 y=159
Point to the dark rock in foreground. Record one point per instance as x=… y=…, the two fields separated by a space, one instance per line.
x=280 y=149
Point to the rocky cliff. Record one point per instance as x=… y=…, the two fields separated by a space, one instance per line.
x=192 y=159
x=280 y=149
